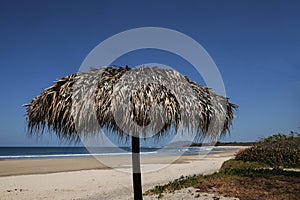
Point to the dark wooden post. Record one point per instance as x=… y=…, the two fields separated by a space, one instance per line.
x=136 y=169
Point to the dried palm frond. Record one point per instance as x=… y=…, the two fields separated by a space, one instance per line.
x=129 y=101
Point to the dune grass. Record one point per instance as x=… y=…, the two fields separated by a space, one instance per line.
x=277 y=151
x=248 y=178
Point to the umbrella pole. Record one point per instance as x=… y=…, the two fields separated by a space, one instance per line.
x=136 y=169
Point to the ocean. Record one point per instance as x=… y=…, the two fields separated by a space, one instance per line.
x=11 y=153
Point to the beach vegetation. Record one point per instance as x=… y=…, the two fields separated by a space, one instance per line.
x=253 y=174
x=177 y=184
x=278 y=150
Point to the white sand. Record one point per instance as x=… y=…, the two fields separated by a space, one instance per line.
x=103 y=183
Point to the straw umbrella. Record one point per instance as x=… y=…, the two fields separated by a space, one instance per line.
x=132 y=103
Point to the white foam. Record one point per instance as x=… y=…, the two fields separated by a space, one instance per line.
x=68 y=155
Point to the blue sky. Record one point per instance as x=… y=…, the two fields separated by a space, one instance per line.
x=255 y=45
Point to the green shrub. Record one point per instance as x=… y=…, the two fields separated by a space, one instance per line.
x=276 y=151
x=233 y=164
x=251 y=169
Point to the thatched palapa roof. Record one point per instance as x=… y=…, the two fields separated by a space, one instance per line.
x=138 y=101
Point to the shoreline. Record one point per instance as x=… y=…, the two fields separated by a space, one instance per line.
x=15 y=167
x=100 y=183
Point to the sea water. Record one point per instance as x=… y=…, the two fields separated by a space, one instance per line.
x=10 y=153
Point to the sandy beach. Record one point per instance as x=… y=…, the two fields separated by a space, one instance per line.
x=87 y=178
